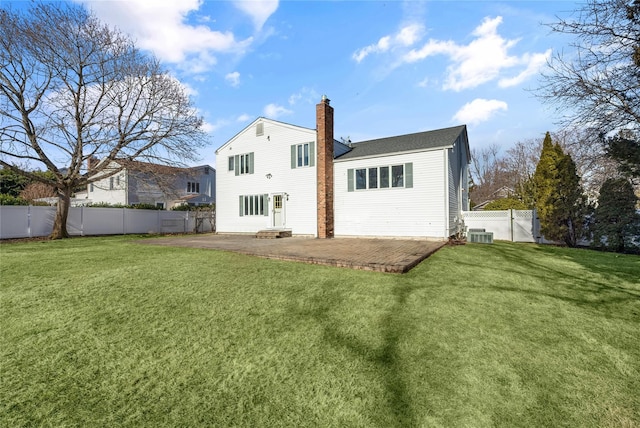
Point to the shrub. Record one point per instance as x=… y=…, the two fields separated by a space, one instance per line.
x=506 y=204
x=6 y=199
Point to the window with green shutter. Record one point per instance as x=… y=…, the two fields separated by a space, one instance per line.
x=243 y=164
x=254 y=205
x=302 y=155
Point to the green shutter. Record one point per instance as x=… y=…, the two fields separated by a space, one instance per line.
x=293 y=157
x=265 y=204
x=237 y=164
x=241 y=206
x=251 y=163
x=312 y=153
x=350 y=180
x=408 y=175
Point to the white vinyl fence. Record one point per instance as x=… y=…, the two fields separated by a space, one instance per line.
x=34 y=221
x=507 y=225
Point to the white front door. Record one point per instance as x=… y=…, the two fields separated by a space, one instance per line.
x=278 y=211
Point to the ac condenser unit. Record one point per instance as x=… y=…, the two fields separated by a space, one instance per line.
x=480 y=237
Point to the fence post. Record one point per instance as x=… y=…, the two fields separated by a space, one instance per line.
x=29 y=221
x=511 y=224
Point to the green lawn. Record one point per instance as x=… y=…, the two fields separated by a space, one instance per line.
x=105 y=332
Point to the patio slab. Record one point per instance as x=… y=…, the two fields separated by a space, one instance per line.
x=381 y=255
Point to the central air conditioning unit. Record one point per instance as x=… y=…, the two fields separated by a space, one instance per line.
x=480 y=237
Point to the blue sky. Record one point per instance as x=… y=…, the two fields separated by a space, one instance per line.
x=389 y=67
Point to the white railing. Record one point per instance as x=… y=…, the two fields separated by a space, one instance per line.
x=34 y=221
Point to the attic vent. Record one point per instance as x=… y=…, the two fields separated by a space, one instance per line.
x=259 y=129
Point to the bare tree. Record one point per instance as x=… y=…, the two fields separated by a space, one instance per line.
x=598 y=83
x=485 y=170
x=37 y=190
x=521 y=160
x=73 y=89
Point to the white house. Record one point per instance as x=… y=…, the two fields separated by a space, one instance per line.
x=274 y=175
x=159 y=185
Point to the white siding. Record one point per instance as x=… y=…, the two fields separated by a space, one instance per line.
x=272 y=155
x=394 y=212
x=101 y=190
x=457 y=180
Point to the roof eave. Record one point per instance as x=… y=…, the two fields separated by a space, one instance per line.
x=404 y=152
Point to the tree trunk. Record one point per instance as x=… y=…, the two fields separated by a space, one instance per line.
x=62 y=212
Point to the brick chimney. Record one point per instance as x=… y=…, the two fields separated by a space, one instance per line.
x=92 y=162
x=324 y=167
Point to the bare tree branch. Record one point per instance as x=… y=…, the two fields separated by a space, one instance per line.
x=73 y=89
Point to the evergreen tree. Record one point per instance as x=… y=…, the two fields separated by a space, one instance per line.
x=616 y=221
x=558 y=195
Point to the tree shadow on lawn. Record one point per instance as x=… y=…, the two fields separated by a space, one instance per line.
x=385 y=359
x=601 y=289
x=614 y=266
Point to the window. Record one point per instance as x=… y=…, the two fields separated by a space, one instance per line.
x=231 y=163
x=302 y=155
x=91 y=187
x=254 y=205
x=110 y=183
x=397 y=176
x=259 y=129
x=193 y=187
x=373 y=178
x=382 y=177
x=277 y=202
x=243 y=164
x=118 y=181
x=361 y=178
x=160 y=205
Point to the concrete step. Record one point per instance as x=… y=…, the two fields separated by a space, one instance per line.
x=273 y=234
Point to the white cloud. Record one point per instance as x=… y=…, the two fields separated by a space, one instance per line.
x=479 y=110
x=233 y=79
x=405 y=37
x=160 y=26
x=258 y=10
x=208 y=127
x=243 y=118
x=484 y=59
x=273 y=111
x=534 y=64
x=306 y=95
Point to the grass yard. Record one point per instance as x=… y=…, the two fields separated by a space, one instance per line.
x=105 y=332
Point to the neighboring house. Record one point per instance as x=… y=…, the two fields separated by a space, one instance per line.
x=501 y=193
x=274 y=175
x=159 y=185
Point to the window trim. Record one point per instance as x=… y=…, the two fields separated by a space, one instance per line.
x=193 y=187
x=298 y=155
x=256 y=205
x=383 y=177
x=244 y=163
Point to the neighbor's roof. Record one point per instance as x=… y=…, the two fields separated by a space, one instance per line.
x=429 y=140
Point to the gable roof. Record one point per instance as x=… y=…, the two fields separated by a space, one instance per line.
x=429 y=140
x=265 y=120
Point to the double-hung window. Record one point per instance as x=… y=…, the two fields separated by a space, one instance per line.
x=380 y=177
x=193 y=187
x=241 y=164
x=302 y=155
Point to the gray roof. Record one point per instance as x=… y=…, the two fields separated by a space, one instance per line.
x=429 y=140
